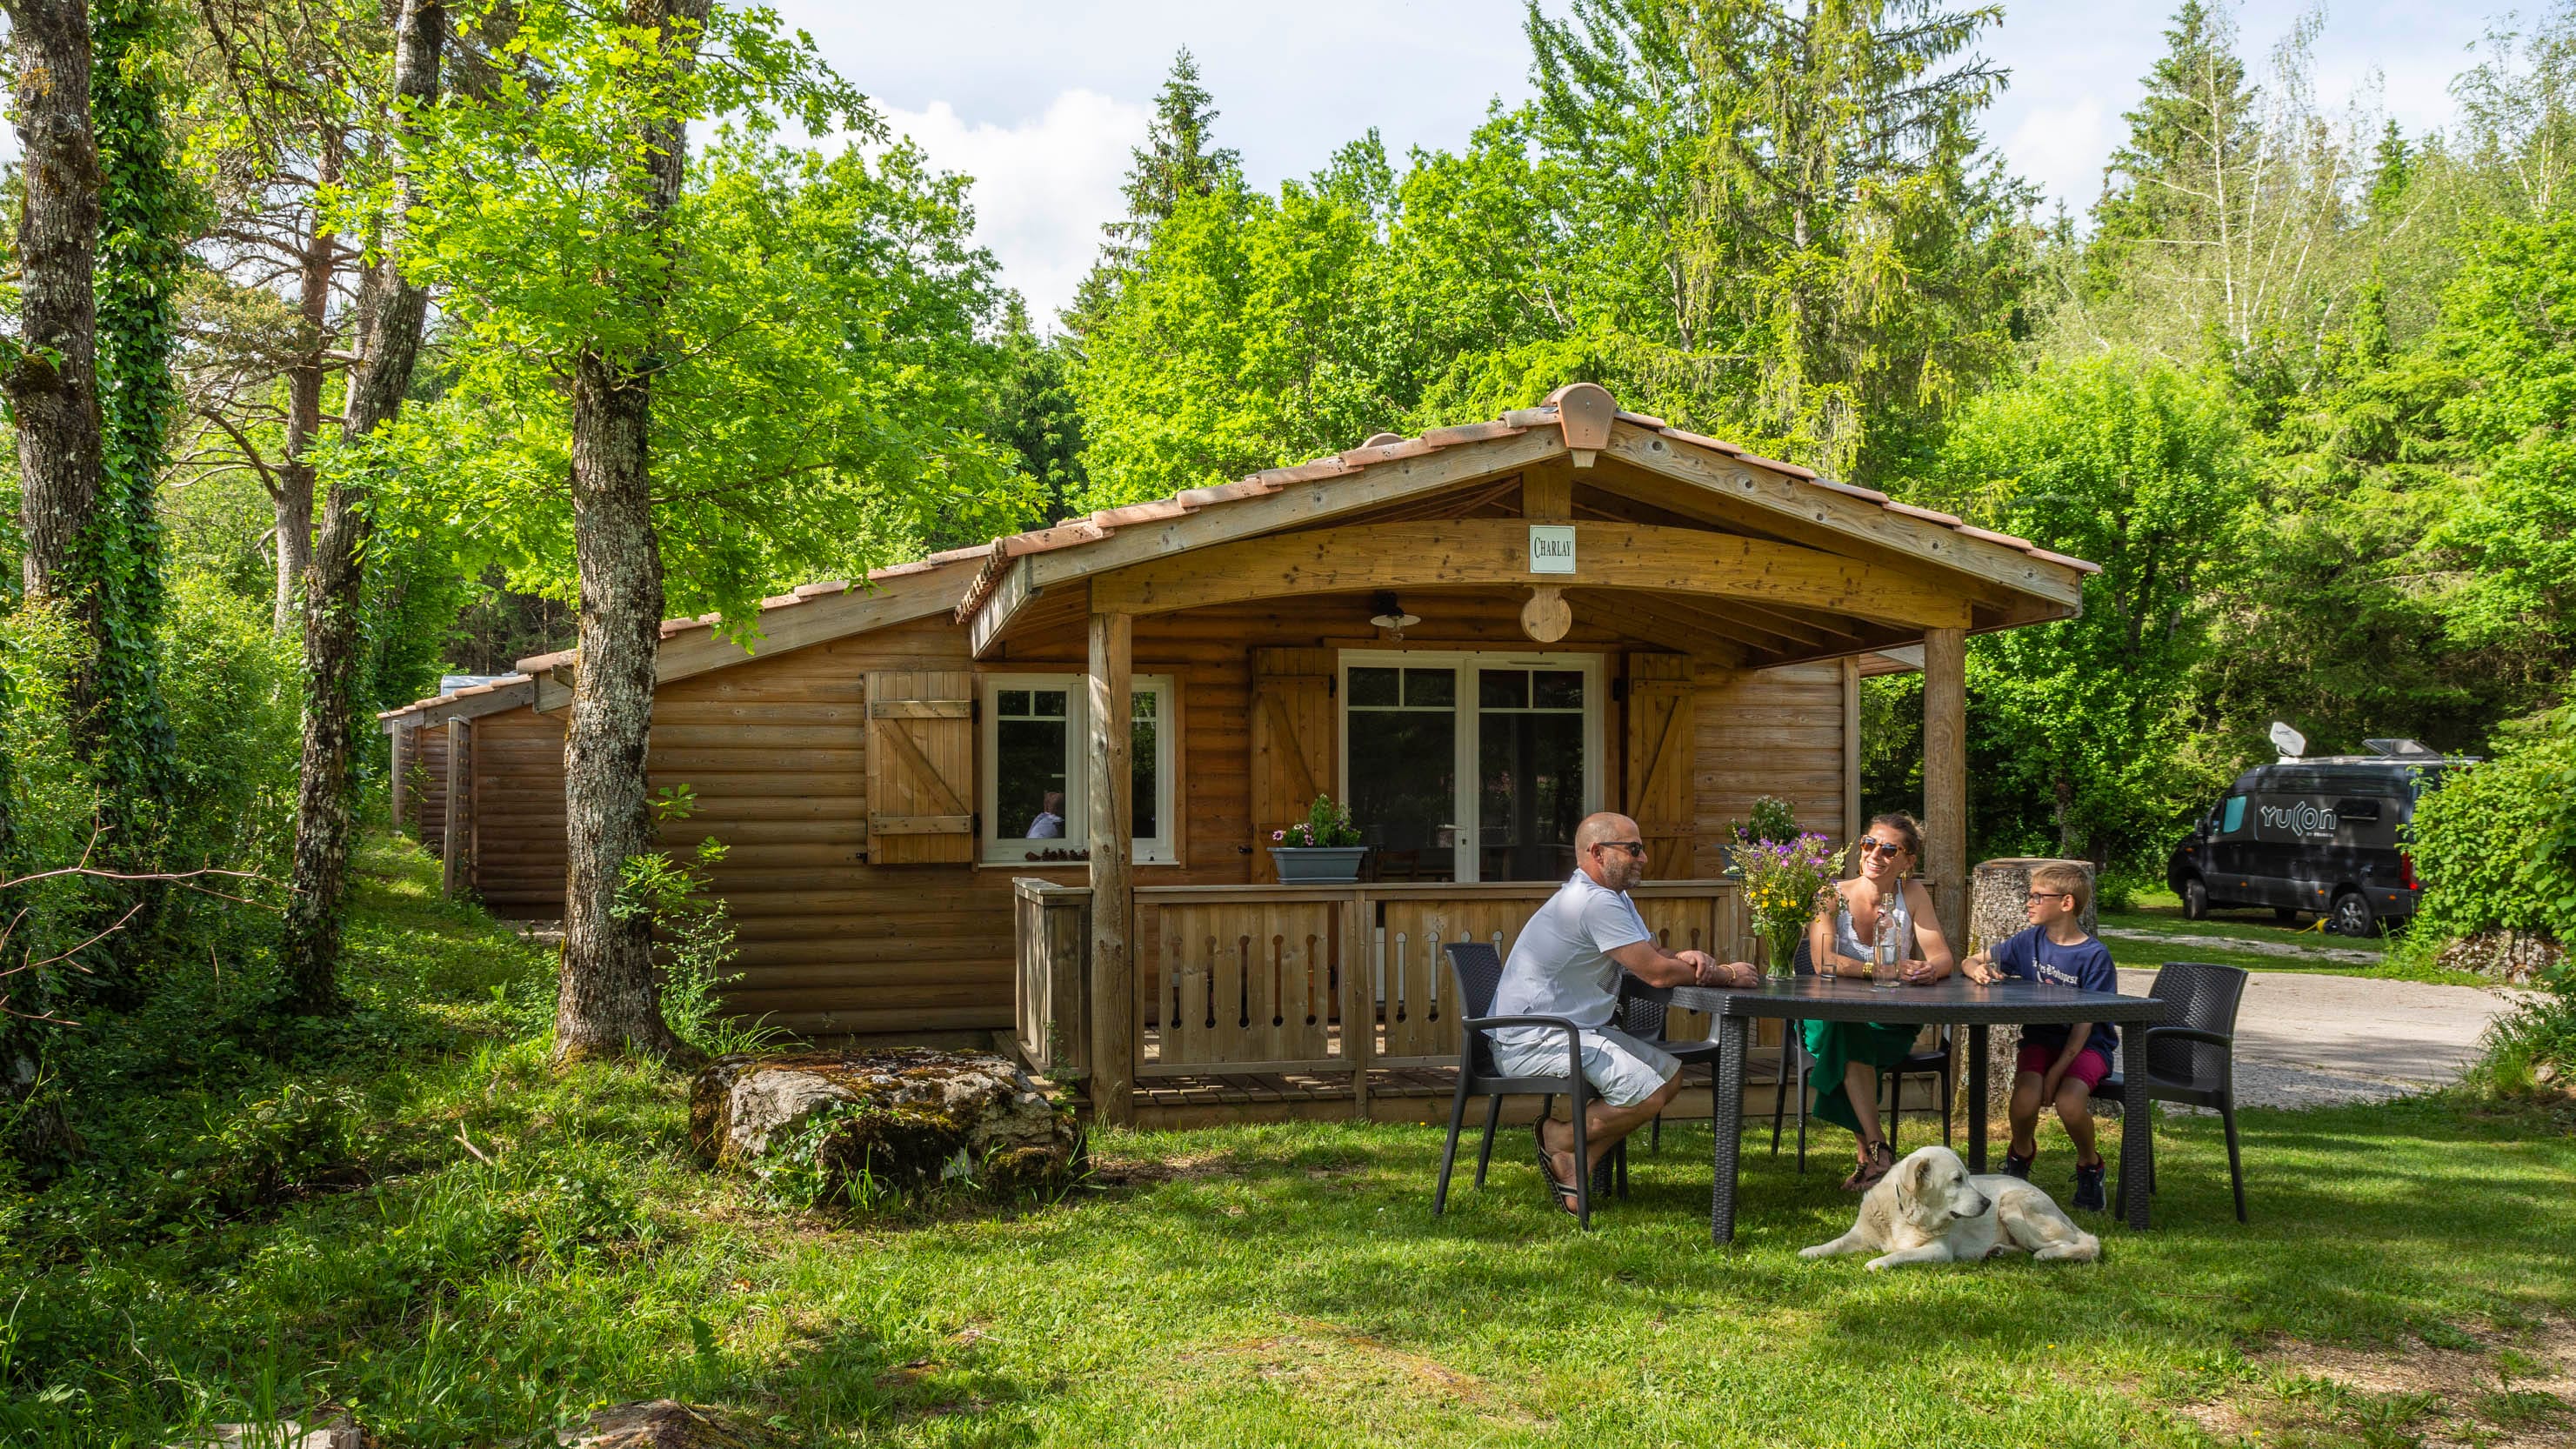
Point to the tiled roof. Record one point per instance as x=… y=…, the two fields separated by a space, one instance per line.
x=493 y=685
x=997 y=556
x=1387 y=448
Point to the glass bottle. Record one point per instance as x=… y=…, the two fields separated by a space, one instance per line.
x=1887 y=953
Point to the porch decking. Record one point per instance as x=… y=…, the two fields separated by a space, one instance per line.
x=1242 y=991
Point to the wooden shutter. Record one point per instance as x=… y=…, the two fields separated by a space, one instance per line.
x=1662 y=755
x=921 y=767
x=1294 y=730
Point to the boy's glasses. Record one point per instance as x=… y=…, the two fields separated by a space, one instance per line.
x=2052 y=895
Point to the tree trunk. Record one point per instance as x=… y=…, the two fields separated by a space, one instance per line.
x=608 y=1003
x=52 y=384
x=52 y=379
x=294 y=496
x=390 y=313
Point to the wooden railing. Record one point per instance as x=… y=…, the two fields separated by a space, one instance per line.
x=1270 y=979
x=1052 y=989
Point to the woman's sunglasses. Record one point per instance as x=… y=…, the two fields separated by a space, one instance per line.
x=1869 y=846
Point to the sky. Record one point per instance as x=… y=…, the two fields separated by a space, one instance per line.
x=1041 y=102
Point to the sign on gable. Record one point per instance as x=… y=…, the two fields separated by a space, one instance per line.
x=1551 y=548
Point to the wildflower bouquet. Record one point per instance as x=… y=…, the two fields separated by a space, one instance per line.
x=1784 y=881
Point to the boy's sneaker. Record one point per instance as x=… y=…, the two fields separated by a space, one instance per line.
x=2088 y=1187
x=2018 y=1166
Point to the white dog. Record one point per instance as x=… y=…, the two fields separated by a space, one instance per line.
x=1929 y=1210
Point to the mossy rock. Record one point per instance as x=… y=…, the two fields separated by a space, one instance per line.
x=904 y=1120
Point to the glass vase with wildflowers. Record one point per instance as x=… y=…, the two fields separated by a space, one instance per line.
x=1784 y=880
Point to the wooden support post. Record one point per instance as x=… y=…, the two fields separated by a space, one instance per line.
x=1945 y=777
x=1111 y=791
x=399 y=736
x=1357 y=929
x=451 y=846
x=1851 y=764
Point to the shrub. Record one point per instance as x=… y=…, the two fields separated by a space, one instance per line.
x=2495 y=844
x=2535 y=1045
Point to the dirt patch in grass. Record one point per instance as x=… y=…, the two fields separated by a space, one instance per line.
x=1108 y=1171
x=2493 y=1387
x=1332 y=1362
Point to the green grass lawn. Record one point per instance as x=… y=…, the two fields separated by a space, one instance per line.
x=1282 y=1285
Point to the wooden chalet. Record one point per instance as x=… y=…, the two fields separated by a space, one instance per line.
x=942 y=818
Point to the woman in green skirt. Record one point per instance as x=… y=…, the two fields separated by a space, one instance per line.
x=1849 y=1055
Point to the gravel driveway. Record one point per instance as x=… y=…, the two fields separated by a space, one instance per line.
x=2305 y=1040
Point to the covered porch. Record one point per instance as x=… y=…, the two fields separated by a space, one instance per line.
x=1473 y=638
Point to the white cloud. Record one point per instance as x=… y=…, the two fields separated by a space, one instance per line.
x=2061 y=149
x=1043 y=186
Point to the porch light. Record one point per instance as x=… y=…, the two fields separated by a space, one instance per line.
x=1391 y=617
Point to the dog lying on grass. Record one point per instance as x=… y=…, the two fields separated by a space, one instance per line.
x=1929 y=1210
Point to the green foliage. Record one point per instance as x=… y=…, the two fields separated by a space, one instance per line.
x=144 y=223
x=2495 y=844
x=839 y=293
x=2534 y=1046
x=1770 y=819
x=2084 y=727
x=1327 y=825
x=1763 y=220
x=693 y=933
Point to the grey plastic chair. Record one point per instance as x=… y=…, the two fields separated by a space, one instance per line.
x=2192 y=1063
x=1642 y=1009
x=1478 y=970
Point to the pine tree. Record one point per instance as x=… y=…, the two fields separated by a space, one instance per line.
x=2392 y=166
x=2196 y=124
x=1175 y=163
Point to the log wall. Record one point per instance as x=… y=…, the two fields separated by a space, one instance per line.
x=774 y=751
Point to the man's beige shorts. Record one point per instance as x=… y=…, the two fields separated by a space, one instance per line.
x=1623 y=1069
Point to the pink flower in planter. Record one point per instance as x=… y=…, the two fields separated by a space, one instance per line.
x=1279 y=835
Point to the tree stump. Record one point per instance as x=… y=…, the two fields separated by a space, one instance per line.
x=1998 y=906
x=857 y=1124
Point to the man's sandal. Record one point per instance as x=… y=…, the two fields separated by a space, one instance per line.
x=1877 y=1163
x=1547 y=1169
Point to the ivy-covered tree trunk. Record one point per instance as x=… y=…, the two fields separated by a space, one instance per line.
x=608 y=1004
x=142 y=250
x=391 y=311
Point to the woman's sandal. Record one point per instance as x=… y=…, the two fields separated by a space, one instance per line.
x=1877 y=1163
x=1547 y=1169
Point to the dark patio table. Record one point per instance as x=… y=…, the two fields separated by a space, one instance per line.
x=1956 y=1000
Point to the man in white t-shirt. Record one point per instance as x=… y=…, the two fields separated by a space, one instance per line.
x=1567 y=963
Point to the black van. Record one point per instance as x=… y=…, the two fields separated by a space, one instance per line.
x=2323 y=835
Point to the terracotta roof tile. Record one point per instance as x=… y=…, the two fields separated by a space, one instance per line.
x=1928 y=515
x=2084 y=565
x=1776 y=466
x=1702 y=440
x=1471 y=433
x=1851 y=490
x=1990 y=536
x=1645 y=420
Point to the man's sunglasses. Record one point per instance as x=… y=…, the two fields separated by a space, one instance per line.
x=1880 y=847
x=1636 y=848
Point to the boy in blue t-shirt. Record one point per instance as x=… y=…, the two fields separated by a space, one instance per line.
x=2060 y=1064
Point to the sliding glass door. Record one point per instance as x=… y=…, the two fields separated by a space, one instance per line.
x=1471 y=767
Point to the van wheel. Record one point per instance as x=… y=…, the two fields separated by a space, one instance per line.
x=2351 y=914
x=2195 y=899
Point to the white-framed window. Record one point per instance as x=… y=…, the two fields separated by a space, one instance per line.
x=1472 y=766
x=1036 y=785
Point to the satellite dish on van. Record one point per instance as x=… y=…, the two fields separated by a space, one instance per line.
x=2288 y=741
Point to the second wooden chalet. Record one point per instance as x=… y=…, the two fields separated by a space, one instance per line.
x=1473 y=637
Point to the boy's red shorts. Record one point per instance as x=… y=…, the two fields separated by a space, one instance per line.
x=2089 y=1066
